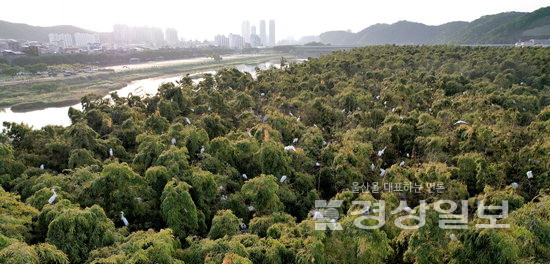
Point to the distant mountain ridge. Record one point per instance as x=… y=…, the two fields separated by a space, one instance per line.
x=20 y=31
x=502 y=28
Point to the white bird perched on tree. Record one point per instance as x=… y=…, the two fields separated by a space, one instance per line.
x=251 y=208
x=295 y=140
x=452 y=236
x=378 y=97
x=298 y=119
x=265 y=118
x=248 y=132
x=407 y=155
x=220 y=187
x=393 y=110
x=381 y=152
x=317 y=215
x=124 y=220
x=372 y=166
x=111 y=153
x=202 y=149
x=192 y=109
x=41 y=166
x=52 y=199
x=382 y=172
x=223 y=197
x=530 y=174
x=209 y=108
x=317 y=164
x=407 y=209
x=262 y=94
x=244 y=176
x=188 y=120
x=324 y=143
x=290 y=113
x=243 y=226
x=402 y=163
x=459 y=122
x=515 y=185
x=283 y=178
x=290 y=147
x=173 y=141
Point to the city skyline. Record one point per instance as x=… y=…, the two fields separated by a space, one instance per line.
x=295 y=19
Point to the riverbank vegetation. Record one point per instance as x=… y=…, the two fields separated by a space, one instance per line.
x=28 y=96
x=229 y=170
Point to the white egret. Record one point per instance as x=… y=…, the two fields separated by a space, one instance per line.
x=188 y=121
x=202 y=149
x=324 y=143
x=41 y=166
x=220 y=187
x=317 y=215
x=452 y=236
x=243 y=226
x=530 y=174
x=382 y=172
x=381 y=152
x=124 y=220
x=262 y=94
x=251 y=208
x=295 y=140
x=52 y=199
x=407 y=155
x=173 y=141
x=244 y=176
x=111 y=153
x=223 y=197
x=290 y=147
x=317 y=164
x=515 y=185
x=372 y=166
x=402 y=163
x=283 y=178
x=460 y=122
x=298 y=119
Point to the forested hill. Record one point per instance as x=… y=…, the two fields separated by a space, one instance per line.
x=228 y=170
x=503 y=28
x=21 y=31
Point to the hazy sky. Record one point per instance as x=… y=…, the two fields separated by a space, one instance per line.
x=203 y=19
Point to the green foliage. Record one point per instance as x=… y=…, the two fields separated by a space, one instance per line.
x=76 y=232
x=140 y=247
x=261 y=193
x=178 y=209
x=16 y=217
x=225 y=223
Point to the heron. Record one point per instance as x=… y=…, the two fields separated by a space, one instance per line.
x=298 y=119
x=41 y=166
x=530 y=174
x=317 y=215
x=173 y=141
x=248 y=132
x=202 y=149
x=223 y=197
x=124 y=220
x=188 y=121
x=317 y=164
x=283 y=178
x=111 y=154
x=290 y=147
x=244 y=176
x=381 y=152
x=243 y=226
x=53 y=197
x=452 y=236
x=251 y=208
x=408 y=155
x=402 y=163
x=515 y=185
x=220 y=187
x=382 y=172
x=461 y=122
x=295 y=140
x=372 y=166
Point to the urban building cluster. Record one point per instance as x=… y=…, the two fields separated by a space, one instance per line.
x=250 y=37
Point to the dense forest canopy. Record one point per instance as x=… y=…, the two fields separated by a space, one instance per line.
x=229 y=170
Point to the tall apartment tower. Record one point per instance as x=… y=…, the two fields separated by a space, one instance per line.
x=245 y=30
x=272 y=39
x=263 y=35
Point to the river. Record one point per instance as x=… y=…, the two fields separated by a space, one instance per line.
x=59 y=115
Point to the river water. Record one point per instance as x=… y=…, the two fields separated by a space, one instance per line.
x=59 y=115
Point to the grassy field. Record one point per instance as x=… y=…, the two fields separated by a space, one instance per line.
x=29 y=96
